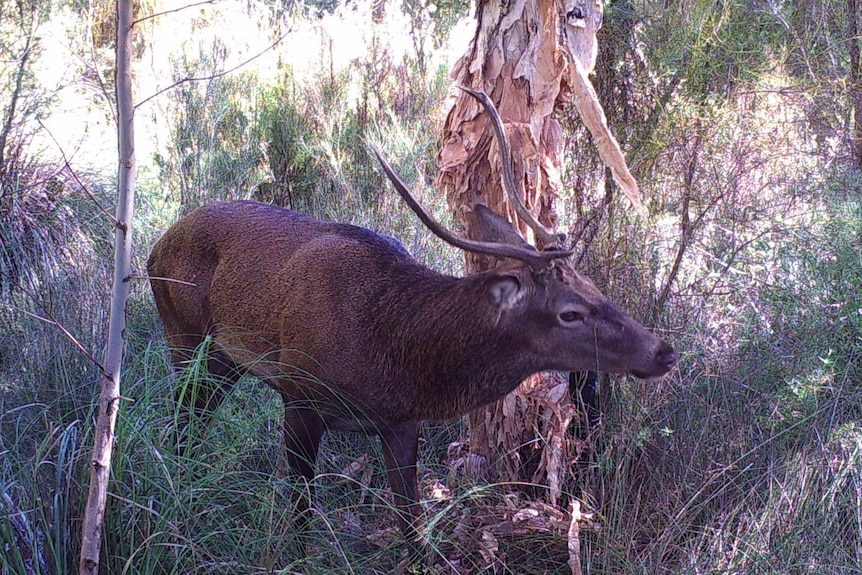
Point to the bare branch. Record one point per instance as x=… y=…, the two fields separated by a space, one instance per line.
x=157 y=14
x=51 y=320
x=185 y=283
x=214 y=76
x=81 y=184
x=16 y=94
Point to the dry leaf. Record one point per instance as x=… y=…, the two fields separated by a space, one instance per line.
x=489 y=547
x=525 y=515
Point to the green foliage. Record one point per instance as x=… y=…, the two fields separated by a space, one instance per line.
x=428 y=18
x=319 y=164
x=316 y=133
x=32 y=224
x=53 y=272
x=746 y=460
x=814 y=309
x=292 y=164
x=23 y=98
x=712 y=48
x=37 y=511
x=315 y=145
x=213 y=155
x=750 y=264
x=213 y=152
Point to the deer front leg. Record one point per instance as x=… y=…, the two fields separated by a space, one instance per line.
x=400 y=447
x=303 y=429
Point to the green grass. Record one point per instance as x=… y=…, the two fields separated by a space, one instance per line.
x=748 y=459
x=747 y=499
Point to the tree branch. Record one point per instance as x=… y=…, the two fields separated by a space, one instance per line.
x=217 y=75
x=75 y=177
x=50 y=320
x=16 y=94
x=185 y=283
x=157 y=14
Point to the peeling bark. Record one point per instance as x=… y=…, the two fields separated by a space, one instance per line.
x=520 y=56
x=593 y=116
x=530 y=57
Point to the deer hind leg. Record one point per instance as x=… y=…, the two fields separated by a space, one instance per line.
x=204 y=377
x=303 y=429
x=400 y=450
x=201 y=390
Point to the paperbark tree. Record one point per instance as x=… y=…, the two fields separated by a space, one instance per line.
x=529 y=56
x=100 y=462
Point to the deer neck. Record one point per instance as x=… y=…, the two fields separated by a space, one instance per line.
x=455 y=351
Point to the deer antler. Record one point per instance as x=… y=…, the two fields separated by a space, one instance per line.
x=548 y=237
x=531 y=256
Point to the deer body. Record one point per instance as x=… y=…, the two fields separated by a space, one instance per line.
x=341 y=303
x=357 y=335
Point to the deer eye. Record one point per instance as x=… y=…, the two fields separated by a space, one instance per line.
x=570 y=316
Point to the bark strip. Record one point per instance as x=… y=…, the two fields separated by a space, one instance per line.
x=593 y=116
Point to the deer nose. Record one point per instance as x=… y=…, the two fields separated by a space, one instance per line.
x=666 y=356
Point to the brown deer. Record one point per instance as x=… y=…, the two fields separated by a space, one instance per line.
x=357 y=335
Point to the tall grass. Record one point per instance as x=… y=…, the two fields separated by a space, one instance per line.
x=746 y=460
x=225 y=506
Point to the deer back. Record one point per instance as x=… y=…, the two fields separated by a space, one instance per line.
x=346 y=317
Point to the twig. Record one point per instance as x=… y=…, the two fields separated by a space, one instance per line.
x=92 y=64
x=685 y=225
x=16 y=95
x=185 y=283
x=157 y=14
x=50 y=320
x=574 y=536
x=39 y=181
x=217 y=75
x=75 y=176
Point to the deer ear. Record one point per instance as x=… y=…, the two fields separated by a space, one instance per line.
x=505 y=291
x=496 y=228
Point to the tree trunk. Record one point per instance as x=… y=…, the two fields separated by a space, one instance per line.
x=521 y=56
x=100 y=472
x=854 y=79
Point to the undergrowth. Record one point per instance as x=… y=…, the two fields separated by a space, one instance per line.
x=748 y=459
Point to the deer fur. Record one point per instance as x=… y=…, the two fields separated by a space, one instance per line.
x=355 y=334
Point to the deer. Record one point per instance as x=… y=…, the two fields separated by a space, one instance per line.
x=357 y=335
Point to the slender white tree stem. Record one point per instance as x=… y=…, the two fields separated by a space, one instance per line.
x=100 y=471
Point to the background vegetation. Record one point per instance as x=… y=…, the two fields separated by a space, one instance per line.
x=739 y=121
